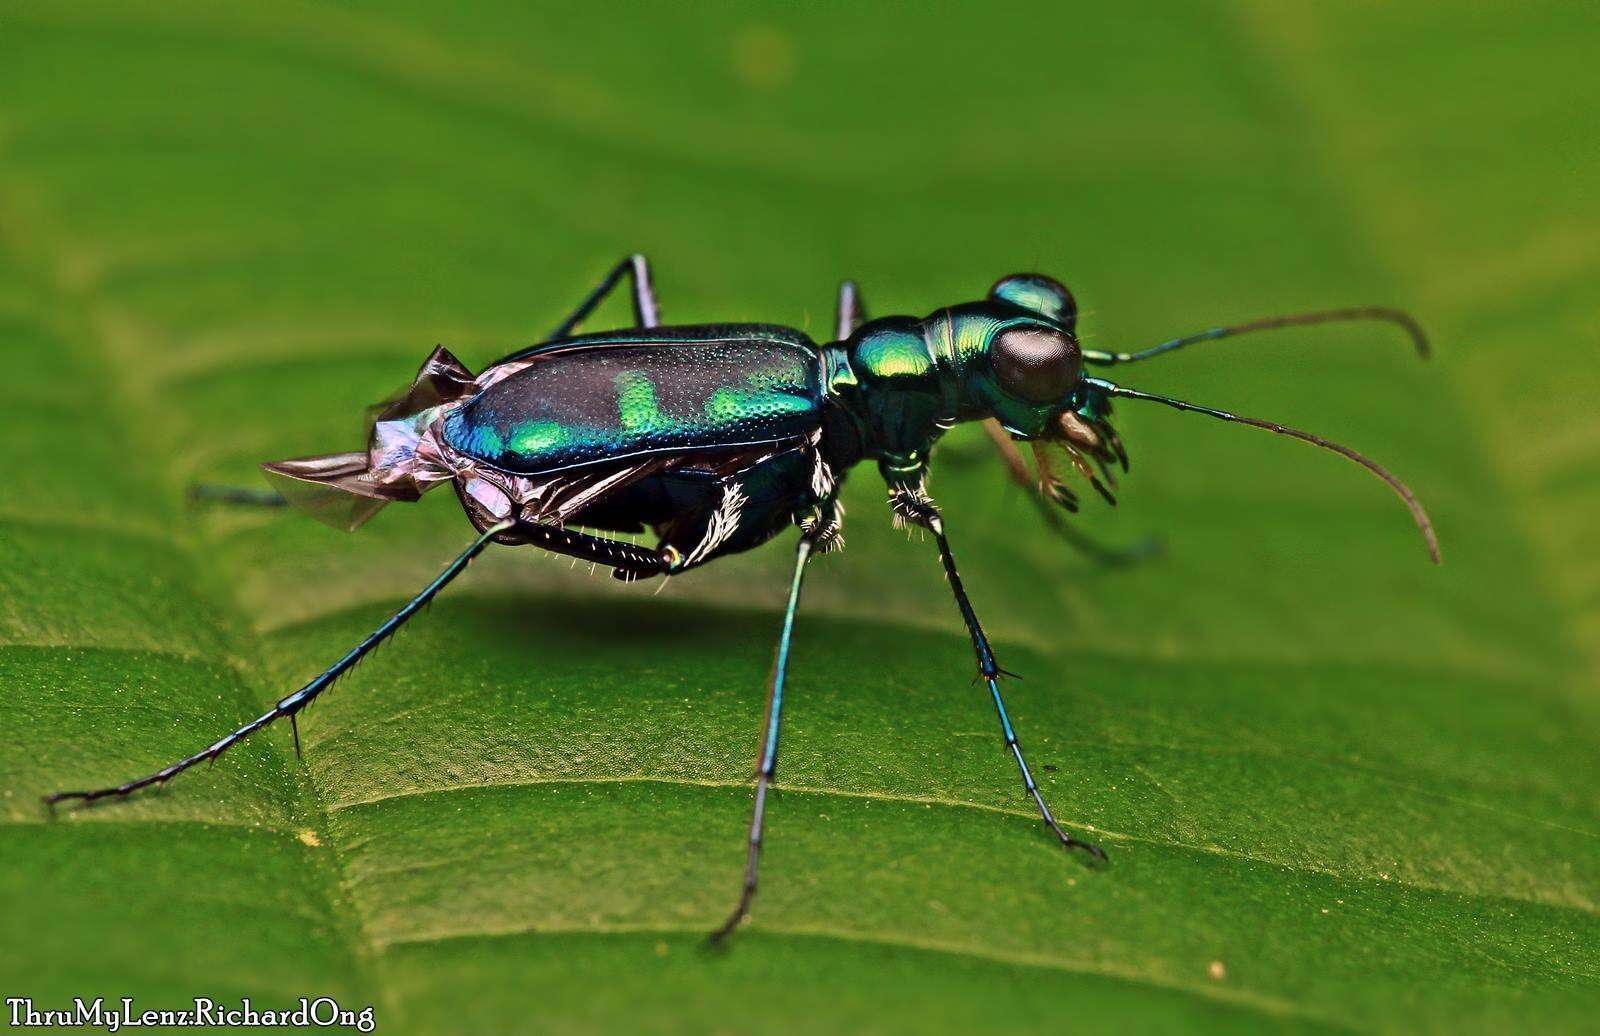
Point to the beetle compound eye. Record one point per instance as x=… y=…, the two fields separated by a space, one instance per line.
x=1036 y=364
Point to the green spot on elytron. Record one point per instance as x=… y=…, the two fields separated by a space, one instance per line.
x=726 y=404
x=539 y=435
x=486 y=442
x=731 y=404
x=636 y=403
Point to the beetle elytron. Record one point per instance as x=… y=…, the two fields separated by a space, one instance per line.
x=718 y=437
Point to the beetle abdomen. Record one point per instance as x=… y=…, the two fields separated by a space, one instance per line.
x=585 y=404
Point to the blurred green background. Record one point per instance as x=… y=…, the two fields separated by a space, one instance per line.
x=1341 y=789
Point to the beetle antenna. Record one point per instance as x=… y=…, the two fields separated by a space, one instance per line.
x=1328 y=316
x=1418 y=515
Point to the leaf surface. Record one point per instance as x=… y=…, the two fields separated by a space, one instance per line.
x=1341 y=790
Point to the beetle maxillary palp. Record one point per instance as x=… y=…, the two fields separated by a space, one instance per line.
x=1049 y=486
x=1078 y=431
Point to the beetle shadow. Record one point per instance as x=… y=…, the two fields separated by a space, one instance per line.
x=601 y=623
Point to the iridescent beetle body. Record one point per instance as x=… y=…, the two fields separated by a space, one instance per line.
x=682 y=426
x=717 y=438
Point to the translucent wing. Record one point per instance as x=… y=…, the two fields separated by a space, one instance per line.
x=334 y=489
x=344 y=490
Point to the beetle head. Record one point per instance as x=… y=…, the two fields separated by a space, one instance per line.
x=1036 y=386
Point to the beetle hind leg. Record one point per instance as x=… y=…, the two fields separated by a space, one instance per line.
x=299 y=700
x=629 y=561
x=646 y=312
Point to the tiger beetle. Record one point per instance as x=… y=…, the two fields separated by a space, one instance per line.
x=717 y=437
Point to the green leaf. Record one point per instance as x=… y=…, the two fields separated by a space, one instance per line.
x=1340 y=789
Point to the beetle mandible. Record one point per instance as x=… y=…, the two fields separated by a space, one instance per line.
x=718 y=437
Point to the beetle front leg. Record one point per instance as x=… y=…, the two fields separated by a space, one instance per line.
x=645 y=311
x=911 y=503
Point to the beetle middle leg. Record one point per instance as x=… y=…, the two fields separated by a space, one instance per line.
x=913 y=505
x=767 y=766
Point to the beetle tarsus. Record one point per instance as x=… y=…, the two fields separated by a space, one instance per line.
x=1069 y=843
